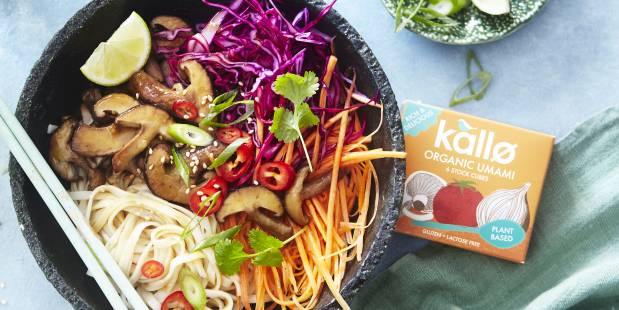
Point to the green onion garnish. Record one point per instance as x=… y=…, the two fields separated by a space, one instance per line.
x=483 y=76
x=227 y=152
x=181 y=166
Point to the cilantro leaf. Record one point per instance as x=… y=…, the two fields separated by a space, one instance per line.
x=260 y=241
x=296 y=88
x=214 y=239
x=266 y=248
x=269 y=257
x=229 y=256
x=284 y=125
x=287 y=125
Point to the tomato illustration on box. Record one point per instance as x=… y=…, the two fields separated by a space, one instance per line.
x=472 y=183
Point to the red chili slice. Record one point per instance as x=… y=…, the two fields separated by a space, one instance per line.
x=228 y=135
x=277 y=176
x=238 y=165
x=176 y=301
x=185 y=110
x=152 y=269
x=216 y=184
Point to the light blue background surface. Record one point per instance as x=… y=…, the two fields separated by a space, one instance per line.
x=554 y=73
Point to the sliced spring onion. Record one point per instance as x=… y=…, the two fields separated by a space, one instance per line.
x=210 y=202
x=226 y=97
x=423 y=15
x=212 y=240
x=399 y=23
x=228 y=152
x=209 y=121
x=447 y=7
x=481 y=75
x=189 y=134
x=192 y=288
x=181 y=166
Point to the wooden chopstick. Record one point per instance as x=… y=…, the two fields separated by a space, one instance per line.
x=59 y=202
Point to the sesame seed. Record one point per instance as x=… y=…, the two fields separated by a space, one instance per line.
x=195 y=169
x=187 y=154
x=210 y=129
x=138 y=170
x=204 y=165
x=202 y=198
x=209 y=97
x=150 y=151
x=240 y=83
x=162 y=159
x=251 y=131
x=202 y=114
x=191 y=164
x=255 y=182
x=200 y=193
x=192 y=186
x=215 y=143
x=160 y=137
x=211 y=154
x=194 y=157
x=249 y=119
x=216 y=186
x=186 y=116
x=187 y=191
x=137 y=95
x=150 y=167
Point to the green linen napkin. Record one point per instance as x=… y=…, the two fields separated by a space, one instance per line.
x=573 y=258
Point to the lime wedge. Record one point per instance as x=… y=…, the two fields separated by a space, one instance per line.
x=124 y=53
x=493 y=7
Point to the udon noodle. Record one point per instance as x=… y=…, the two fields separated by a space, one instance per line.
x=137 y=226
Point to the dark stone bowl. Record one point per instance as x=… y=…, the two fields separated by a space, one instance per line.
x=53 y=90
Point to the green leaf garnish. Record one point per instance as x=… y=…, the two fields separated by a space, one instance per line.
x=296 y=88
x=214 y=239
x=287 y=125
x=229 y=256
x=260 y=241
x=483 y=76
x=181 y=166
x=269 y=257
x=211 y=201
x=227 y=152
x=420 y=14
x=225 y=98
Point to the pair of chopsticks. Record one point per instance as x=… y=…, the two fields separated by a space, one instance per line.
x=67 y=214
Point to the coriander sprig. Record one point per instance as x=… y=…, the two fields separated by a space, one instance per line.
x=287 y=125
x=229 y=253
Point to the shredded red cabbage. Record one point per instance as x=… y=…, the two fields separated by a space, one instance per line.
x=246 y=46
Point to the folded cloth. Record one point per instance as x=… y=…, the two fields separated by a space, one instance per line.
x=573 y=258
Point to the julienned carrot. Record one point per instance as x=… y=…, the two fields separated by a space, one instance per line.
x=323 y=101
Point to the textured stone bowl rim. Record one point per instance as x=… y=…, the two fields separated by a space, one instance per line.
x=391 y=119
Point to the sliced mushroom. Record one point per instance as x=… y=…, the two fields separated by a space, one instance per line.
x=293 y=200
x=202 y=157
x=93 y=141
x=153 y=92
x=150 y=122
x=162 y=177
x=253 y=200
x=302 y=190
x=200 y=91
x=110 y=106
x=66 y=162
x=165 y=22
x=154 y=70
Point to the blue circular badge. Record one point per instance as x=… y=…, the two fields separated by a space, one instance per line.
x=502 y=234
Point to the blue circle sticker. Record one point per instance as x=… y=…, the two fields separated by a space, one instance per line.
x=502 y=234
